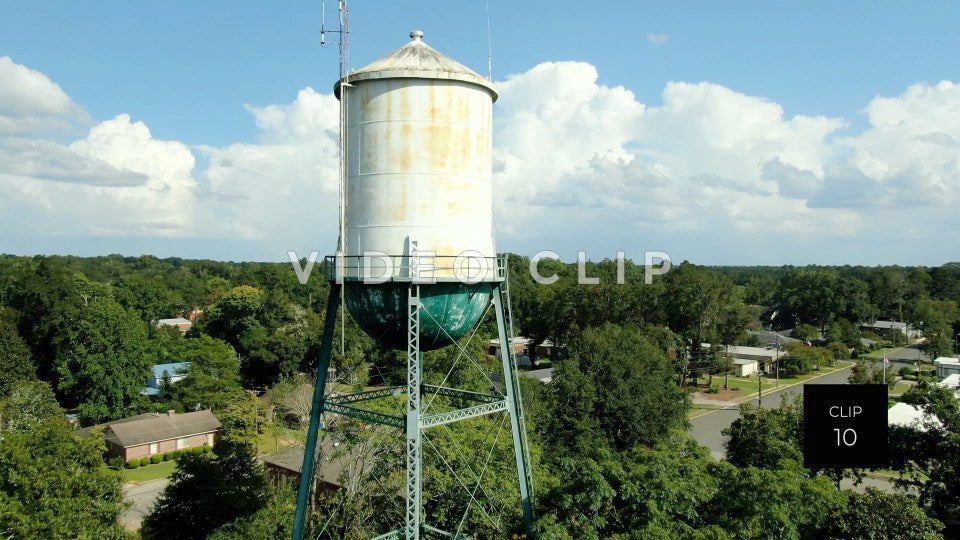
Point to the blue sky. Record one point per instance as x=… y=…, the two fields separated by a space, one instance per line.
x=194 y=74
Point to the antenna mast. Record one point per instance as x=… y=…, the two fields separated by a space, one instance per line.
x=343 y=45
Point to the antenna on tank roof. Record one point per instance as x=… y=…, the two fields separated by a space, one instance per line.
x=489 y=45
x=343 y=45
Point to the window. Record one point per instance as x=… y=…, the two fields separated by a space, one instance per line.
x=182 y=443
x=209 y=439
x=154 y=448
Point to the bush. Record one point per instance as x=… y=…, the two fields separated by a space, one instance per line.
x=144 y=461
x=156 y=458
x=167 y=456
x=133 y=463
x=207 y=449
x=115 y=462
x=712 y=390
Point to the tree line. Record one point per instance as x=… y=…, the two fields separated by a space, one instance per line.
x=607 y=436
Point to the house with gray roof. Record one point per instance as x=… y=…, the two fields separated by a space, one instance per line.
x=157 y=433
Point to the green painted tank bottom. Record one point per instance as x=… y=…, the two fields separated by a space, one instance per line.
x=449 y=310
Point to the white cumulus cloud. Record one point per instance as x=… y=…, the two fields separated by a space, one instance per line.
x=577 y=165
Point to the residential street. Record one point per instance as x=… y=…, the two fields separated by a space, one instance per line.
x=706 y=428
x=142 y=496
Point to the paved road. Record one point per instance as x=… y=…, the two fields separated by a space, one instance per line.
x=142 y=496
x=706 y=428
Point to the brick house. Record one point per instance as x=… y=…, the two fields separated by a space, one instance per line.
x=158 y=433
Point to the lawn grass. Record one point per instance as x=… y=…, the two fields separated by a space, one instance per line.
x=150 y=472
x=879 y=353
x=275 y=438
x=899 y=388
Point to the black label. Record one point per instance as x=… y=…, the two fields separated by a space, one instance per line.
x=844 y=425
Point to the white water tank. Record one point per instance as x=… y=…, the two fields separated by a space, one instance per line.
x=418 y=157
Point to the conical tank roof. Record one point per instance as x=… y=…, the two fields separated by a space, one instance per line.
x=417 y=60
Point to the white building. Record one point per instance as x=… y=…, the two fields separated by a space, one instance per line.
x=743 y=367
x=946 y=366
x=764 y=358
x=906 y=415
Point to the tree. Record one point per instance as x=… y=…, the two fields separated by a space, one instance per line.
x=735 y=318
x=273 y=520
x=101 y=363
x=615 y=377
x=16 y=362
x=295 y=396
x=694 y=301
x=933 y=450
x=875 y=514
x=213 y=379
x=773 y=503
x=208 y=491
x=765 y=438
x=936 y=319
x=149 y=296
x=27 y=404
x=53 y=485
x=802 y=359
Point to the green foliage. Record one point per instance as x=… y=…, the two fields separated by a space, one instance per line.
x=156 y=458
x=213 y=379
x=133 y=463
x=271 y=333
x=805 y=332
x=101 y=363
x=16 y=362
x=273 y=520
x=144 y=461
x=818 y=296
x=28 y=404
x=781 y=503
x=765 y=438
x=149 y=297
x=934 y=451
x=53 y=485
x=864 y=372
x=937 y=320
x=875 y=514
x=208 y=491
x=616 y=385
x=801 y=359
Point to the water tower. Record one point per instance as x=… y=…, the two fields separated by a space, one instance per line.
x=416 y=264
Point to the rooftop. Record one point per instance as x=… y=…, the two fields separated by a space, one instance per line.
x=329 y=467
x=171 y=369
x=890 y=325
x=173 y=322
x=417 y=60
x=154 y=427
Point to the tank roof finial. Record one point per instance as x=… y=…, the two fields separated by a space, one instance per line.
x=416 y=35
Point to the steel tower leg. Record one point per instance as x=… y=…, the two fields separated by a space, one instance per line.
x=412 y=524
x=316 y=410
x=509 y=383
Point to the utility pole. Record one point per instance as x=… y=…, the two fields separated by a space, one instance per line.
x=759 y=388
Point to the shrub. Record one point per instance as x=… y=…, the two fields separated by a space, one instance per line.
x=144 y=461
x=207 y=449
x=115 y=462
x=167 y=456
x=133 y=463
x=156 y=458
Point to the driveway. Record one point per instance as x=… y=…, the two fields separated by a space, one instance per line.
x=707 y=427
x=141 y=496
